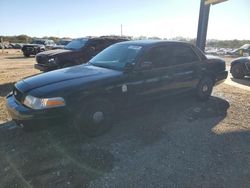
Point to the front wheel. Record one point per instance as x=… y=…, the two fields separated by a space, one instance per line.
x=204 y=89
x=238 y=71
x=95 y=118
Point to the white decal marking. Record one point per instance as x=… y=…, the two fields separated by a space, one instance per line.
x=124 y=88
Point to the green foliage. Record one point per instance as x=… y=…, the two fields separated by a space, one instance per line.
x=17 y=39
x=25 y=39
x=227 y=43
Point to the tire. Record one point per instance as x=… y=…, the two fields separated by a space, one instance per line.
x=238 y=71
x=26 y=55
x=95 y=118
x=204 y=89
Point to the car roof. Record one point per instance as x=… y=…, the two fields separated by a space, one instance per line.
x=43 y=40
x=152 y=42
x=102 y=38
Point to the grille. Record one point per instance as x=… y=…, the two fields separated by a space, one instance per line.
x=29 y=49
x=18 y=94
x=41 y=59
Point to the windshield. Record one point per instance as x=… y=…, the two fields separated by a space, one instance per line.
x=37 y=42
x=76 y=44
x=116 y=56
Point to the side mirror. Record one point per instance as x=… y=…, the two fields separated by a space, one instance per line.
x=147 y=65
x=128 y=68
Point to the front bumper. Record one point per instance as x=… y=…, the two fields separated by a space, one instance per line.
x=41 y=67
x=221 y=77
x=45 y=67
x=26 y=116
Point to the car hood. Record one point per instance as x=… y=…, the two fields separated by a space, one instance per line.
x=86 y=72
x=54 y=52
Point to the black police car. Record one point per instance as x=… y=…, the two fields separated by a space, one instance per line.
x=78 y=51
x=121 y=75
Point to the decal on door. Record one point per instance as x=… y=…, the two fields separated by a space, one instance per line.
x=124 y=88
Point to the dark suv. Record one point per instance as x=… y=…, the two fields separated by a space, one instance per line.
x=120 y=76
x=37 y=46
x=78 y=51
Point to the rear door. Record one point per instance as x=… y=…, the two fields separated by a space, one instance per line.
x=185 y=67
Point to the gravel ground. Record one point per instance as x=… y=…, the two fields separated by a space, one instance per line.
x=173 y=142
x=13 y=67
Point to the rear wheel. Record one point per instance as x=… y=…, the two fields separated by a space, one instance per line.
x=95 y=119
x=238 y=71
x=204 y=88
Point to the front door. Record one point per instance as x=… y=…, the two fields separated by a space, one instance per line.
x=153 y=76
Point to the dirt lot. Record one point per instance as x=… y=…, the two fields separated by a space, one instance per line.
x=162 y=144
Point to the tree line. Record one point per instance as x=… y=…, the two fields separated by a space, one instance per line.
x=25 y=38
x=213 y=43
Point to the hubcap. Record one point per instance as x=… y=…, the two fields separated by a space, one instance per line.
x=205 y=88
x=98 y=117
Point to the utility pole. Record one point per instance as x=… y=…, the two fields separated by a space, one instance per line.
x=202 y=27
x=121 y=30
x=203 y=22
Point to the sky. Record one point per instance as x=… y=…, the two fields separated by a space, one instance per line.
x=162 y=18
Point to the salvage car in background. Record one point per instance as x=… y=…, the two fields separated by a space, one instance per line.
x=62 y=43
x=78 y=51
x=240 y=67
x=119 y=77
x=242 y=51
x=37 y=46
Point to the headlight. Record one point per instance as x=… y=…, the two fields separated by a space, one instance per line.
x=9 y=94
x=52 y=60
x=38 y=103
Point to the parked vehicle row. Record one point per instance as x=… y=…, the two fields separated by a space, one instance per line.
x=37 y=46
x=119 y=77
x=11 y=45
x=46 y=42
x=218 y=51
x=243 y=51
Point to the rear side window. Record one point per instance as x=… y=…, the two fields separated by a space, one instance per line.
x=181 y=54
